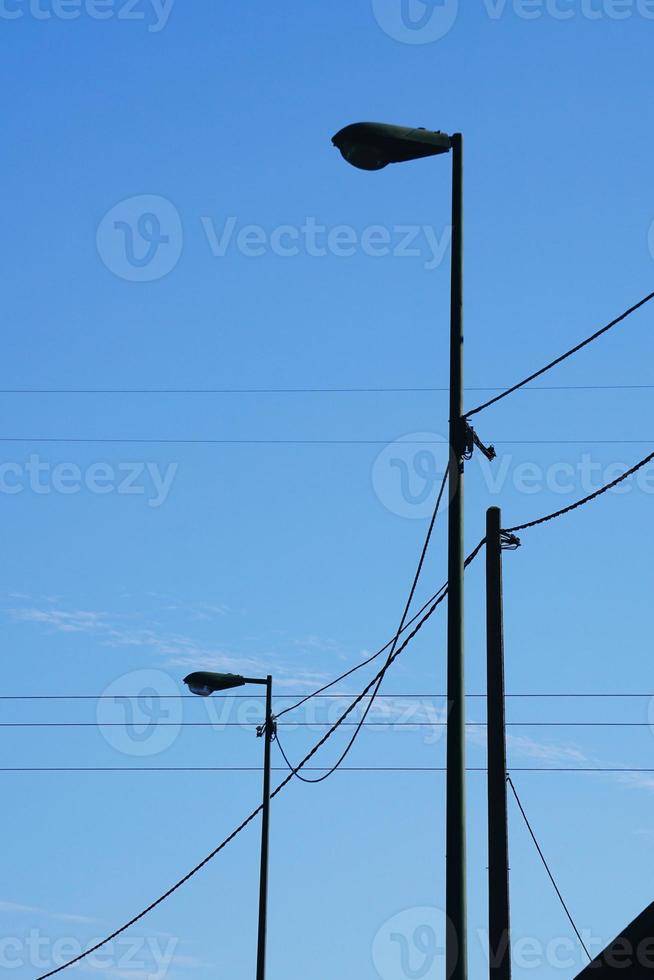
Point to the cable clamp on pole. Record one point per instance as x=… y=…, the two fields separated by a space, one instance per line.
x=509 y=542
x=261 y=729
x=472 y=440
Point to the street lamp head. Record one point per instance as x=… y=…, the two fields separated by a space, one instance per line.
x=203 y=682
x=372 y=146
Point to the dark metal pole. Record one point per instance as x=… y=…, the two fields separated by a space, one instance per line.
x=499 y=935
x=265 y=833
x=456 y=942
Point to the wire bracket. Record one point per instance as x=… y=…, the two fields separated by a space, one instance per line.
x=261 y=730
x=472 y=440
x=509 y=542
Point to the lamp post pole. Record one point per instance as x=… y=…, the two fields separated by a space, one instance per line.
x=267 y=730
x=456 y=947
x=372 y=146
x=204 y=683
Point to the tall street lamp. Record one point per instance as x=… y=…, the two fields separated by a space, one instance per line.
x=205 y=683
x=372 y=146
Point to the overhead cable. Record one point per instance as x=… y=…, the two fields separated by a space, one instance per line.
x=584 y=500
x=562 y=357
x=254 y=813
x=547 y=867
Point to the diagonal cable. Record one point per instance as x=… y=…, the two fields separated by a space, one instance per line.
x=562 y=357
x=389 y=660
x=380 y=676
x=547 y=867
x=360 y=697
x=363 y=663
x=584 y=500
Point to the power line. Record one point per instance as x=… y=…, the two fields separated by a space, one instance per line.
x=584 y=500
x=547 y=868
x=376 y=682
x=562 y=357
x=394 y=653
x=325 y=724
x=364 y=663
x=258 y=769
x=570 y=442
x=254 y=813
x=380 y=390
x=166 y=895
x=400 y=629
x=404 y=624
x=344 y=696
x=110 y=441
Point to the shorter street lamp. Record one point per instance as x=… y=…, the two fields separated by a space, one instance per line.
x=204 y=683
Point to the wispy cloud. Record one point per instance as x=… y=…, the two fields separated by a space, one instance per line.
x=78 y=621
x=550 y=752
x=566 y=754
x=176 y=649
x=414 y=710
x=17 y=908
x=154 y=963
x=319 y=644
x=111 y=631
x=637 y=780
x=525 y=747
x=196 y=610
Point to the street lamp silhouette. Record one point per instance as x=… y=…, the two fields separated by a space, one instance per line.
x=372 y=146
x=204 y=684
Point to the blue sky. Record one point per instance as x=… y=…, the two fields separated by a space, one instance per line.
x=175 y=217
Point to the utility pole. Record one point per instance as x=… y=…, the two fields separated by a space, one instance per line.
x=456 y=906
x=267 y=730
x=499 y=936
